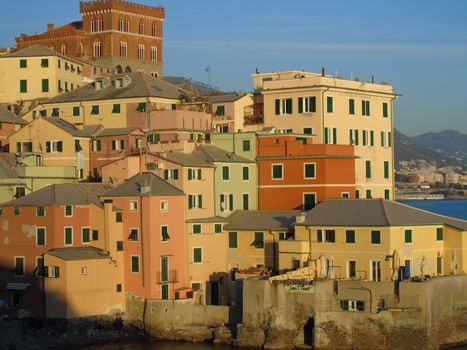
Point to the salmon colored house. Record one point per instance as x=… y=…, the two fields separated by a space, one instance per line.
x=301 y=174
x=58 y=216
x=151 y=212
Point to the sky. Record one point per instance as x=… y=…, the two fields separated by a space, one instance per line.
x=419 y=46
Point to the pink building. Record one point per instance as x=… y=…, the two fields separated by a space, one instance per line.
x=151 y=212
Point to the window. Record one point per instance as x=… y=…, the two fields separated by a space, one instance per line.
x=386 y=194
x=283 y=106
x=218 y=228
x=53 y=271
x=330 y=236
x=165 y=291
x=386 y=169
x=23 y=86
x=195 y=201
x=23 y=147
x=351 y=269
x=164 y=268
x=385 y=139
x=118 y=145
x=375 y=237
x=95 y=110
x=119 y=246
x=119 y=287
x=97 y=49
x=84 y=271
x=76 y=112
x=246 y=201
x=357 y=194
x=277 y=173
x=23 y=63
x=172 y=174
x=309 y=201
x=68 y=210
x=368 y=137
x=40 y=211
x=351 y=106
x=153 y=30
x=368 y=194
x=309 y=170
x=353 y=136
x=246 y=145
x=365 y=107
x=141 y=28
x=245 y=173
x=153 y=53
x=127 y=25
x=120 y=24
x=141 y=107
x=133 y=205
x=68 y=232
x=330 y=136
x=197 y=255
x=140 y=52
x=118 y=216
x=259 y=240
x=20 y=191
x=45 y=85
x=220 y=110
x=227 y=202
x=100 y=24
x=134 y=235
x=329 y=104
x=385 y=110
x=225 y=173
x=164 y=205
x=19 y=265
x=40 y=236
x=196 y=228
x=56 y=112
x=135 y=263
x=85 y=235
x=40 y=271
x=93 y=26
x=368 y=169
x=349 y=236
x=116 y=108
x=345 y=195
x=352 y=305
x=408 y=236
x=308 y=131
x=307 y=104
x=16 y=211
x=165 y=233
x=123 y=49
x=96 y=145
x=233 y=240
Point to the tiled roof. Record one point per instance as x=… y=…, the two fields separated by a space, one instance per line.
x=136 y=184
x=7 y=116
x=64 y=194
x=79 y=253
x=141 y=85
x=117 y=131
x=87 y=131
x=207 y=220
x=250 y=220
x=216 y=154
x=7 y=166
x=39 y=51
x=374 y=212
x=187 y=159
x=224 y=98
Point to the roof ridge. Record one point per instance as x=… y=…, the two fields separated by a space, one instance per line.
x=383 y=207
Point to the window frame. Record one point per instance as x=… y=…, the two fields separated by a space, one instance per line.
x=200 y=250
x=313 y=168
x=44 y=243
x=281 y=165
x=132 y=264
x=65 y=236
x=375 y=237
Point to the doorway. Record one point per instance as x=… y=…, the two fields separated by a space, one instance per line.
x=376 y=270
x=214 y=293
x=309 y=332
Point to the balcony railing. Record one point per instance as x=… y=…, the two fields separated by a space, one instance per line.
x=170 y=276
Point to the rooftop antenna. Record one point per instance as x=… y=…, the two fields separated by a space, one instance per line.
x=372 y=79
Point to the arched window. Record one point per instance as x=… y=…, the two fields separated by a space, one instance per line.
x=119 y=69
x=154 y=30
x=120 y=24
x=80 y=49
x=100 y=24
x=93 y=25
x=97 y=52
x=127 y=25
x=140 y=51
x=63 y=49
x=141 y=28
x=154 y=53
x=123 y=49
x=127 y=69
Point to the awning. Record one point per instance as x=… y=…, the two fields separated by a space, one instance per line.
x=18 y=286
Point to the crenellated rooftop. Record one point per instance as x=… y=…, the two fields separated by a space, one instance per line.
x=126 y=6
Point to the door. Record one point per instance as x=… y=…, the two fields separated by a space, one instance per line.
x=376 y=270
x=214 y=293
x=352 y=269
x=308 y=332
x=407 y=269
x=164 y=269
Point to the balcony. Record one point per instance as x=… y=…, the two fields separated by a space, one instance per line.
x=170 y=276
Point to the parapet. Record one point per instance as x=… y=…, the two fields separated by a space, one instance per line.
x=98 y=5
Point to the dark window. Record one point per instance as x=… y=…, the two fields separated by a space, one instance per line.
x=259 y=240
x=85 y=235
x=68 y=210
x=277 y=171
x=44 y=62
x=351 y=106
x=119 y=216
x=329 y=104
x=119 y=288
x=246 y=173
x=439 y=234
x=45 y=85
x=68 y=235
x=233 y=240
x=23 y=63
x=350 y=236
x=246 y=145
x=23 y=86
x=220 y=111
x=16 y=211
x=197 y=228
x=225 y=173
x=76 y=111
x=218 y=228
x=95 y=110
x=135 y=264
x=116 y=108
x=141 y=107
x=197 y=255
x=119 y=246
x=246 y=201
x=309 y=201
x=40 y=239
x=165 y=233
x=385 y=110
x=408 y=236
x=375 y=237
x=19 y=266
x=310 y=171
x=133 y=235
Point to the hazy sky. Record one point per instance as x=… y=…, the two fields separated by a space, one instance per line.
x=418 y=46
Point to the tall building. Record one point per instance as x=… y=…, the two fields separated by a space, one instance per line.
x=335 y=111
x=115 y=33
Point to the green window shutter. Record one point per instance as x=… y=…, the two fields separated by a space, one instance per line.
x=363 y=108
x=68 y=235
x=334 y=136
x=200 y=201
x=119 y=246
x=197 y=228
x=385 y=110
x=408 y=236
x=166 y=174
x=197 y=255
x=389 y=139
x=319 y=235
x=308 y=131
x=246 y=173
x=277 y=171
x=259 y=240
x=135 y=264
x=351 y=106
x=300 y=105
x=231 y=202
x=375 y=237
x=326 y=136
x=40 y=211
x=368 y=169
x=190 y=174
x=386 y=194
x=75 y=111
x=357 y=194
x=386 y=169
x=45 y=85
x=218 y=228
x=59 y=146
x=85 y=237
x=382 y=139
x=40 y=236
x=23 y=63
x=23 y=86
x=225 y=173
x=351 y=138
x=365 y=136
x=329 y=104
x=288 y=106
x=95 y=235
x=368 y=194
x=356 y=137
x=313 y=104
x=309 y=171
x=246 y=201
x=372 y=138
x=233 y=240
x=278 y=106
x=349 y=236
x=246 y=145
x=368 y=108
x=439 y=234
x=190 y=201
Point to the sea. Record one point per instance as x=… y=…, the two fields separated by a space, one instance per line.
x=454 y=208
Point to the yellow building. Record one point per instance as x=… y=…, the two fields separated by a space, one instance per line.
x=36 y=73
x=377 y=240
x=231 y=111
x=113 y=102
x=336 y=111
x=83 y=281
x=55 y=142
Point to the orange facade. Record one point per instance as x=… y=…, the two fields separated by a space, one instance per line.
x=294 y=174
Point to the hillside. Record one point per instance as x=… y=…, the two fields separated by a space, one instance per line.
x=449 y=141
x=198 y=87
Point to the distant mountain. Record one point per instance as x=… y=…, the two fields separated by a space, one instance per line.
x=198 y=87
x=430 y=147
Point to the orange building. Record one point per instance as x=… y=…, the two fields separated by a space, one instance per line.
x=115 y=33
x=293 y=173
x=9 y=124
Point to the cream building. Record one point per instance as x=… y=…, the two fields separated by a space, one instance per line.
x=37 y=73
x=336 y=111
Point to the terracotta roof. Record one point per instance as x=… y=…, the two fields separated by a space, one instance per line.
x=79 y=253
x=64 y=194
x=140 y=85
x=134 y=186
x=78 y=25
x=7 y=116
x=87 y=131
x=250 y=220
x=374 y=212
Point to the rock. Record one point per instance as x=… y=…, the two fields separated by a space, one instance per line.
x=280 y=340
x=249 y=336
x=222 y=335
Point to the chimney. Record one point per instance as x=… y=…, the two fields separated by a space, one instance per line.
x=50 y=26
x=300 y=217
